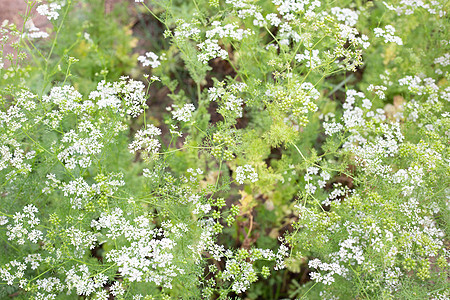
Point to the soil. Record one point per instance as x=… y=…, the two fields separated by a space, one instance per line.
x=10 y=9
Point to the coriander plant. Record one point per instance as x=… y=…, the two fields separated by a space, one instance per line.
x=225 y=149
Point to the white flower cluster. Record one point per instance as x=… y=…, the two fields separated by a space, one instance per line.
x=23 y=227
x=147 y=257
x=200 y=207
x=288 y=8
x=242 y=279
x=206 y=242
x=80 y=278
x=176 y=230
x=348 y=16
x=193 y=175
x=80 y=192
x=246 y=172
x=370 y=236
x=210 y=49
x=49 y=10
x=151 y=59
x=185 y=30
x=388 y=34
x=332 y=127
x=82 y=241
x=229 y=30
x=330 y=270
x=280 y=257
x=239 y=267
x=145 y=140
x=346 y=32
x=50 y=287
x=12 y=271
x=378 y=90
x=290 y=14
x=246 y=10
x=311 y=57
x=354 y=115
x=370 y=153
x=68 y=100
x=124 y=96
x=420 y=85
x=78 y=148
x=324 y=177
x=15 y=157
x=350 y=251
x=409 y=179
x=337 y=193
x=273 y=19
x=443 y=60
x=227 y=97
x=366 y=240
x=408 y=7
x=36 y=33
x=184 y=113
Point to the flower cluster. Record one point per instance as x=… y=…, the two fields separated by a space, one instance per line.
x=347 y=174
x=246 y=172
x=125 y=96
x=210 y=49
x=229 y=98
x=311 y=57
x=23 y=226
x=349 y=16
x=148 y=257
x=408 y=7
x=229 y=30
x=184 y=113
x=295 y=101
x=36 y=33
x=49 y=10
x=372 y=237
x=145 y=140
x=80 y=193
x=151 y=59
x=388 y=34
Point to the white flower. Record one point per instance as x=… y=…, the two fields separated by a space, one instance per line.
x=209 y=50
x=151 y=59
x=228 y=30
x=117 y=289
x=3 y=220
x=349 y=16
x=145 y=139
x=125 y=96
x=49 y=11
x=388 y=34
x=443 y=60
x=184 y=113
x=35 y=33
x=311 y=57
x=332 y=128
x=246 y=172
x=185 y=30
